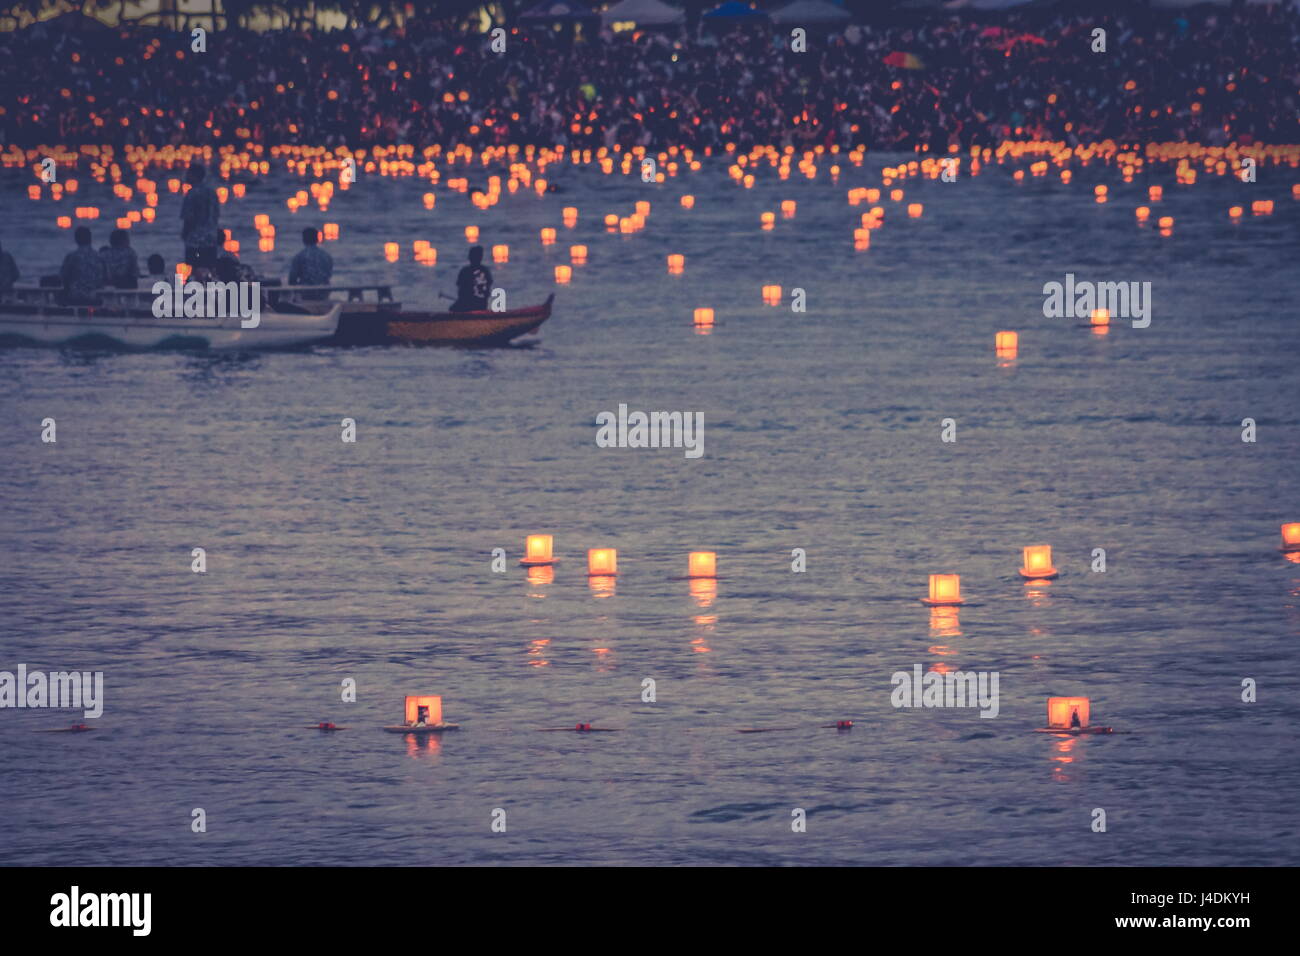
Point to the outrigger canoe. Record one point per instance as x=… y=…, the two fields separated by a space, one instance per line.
x=125 y=320
x=384 y=322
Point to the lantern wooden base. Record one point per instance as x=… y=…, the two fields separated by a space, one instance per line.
x=426 y=729
x=1290 y=548
x=538 y=563
x=932 y=602
x=1074 y=731
x=1050 y=575
x=602 y=574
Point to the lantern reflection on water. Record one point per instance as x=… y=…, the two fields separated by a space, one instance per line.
x=1038 y=563
x=945 y=590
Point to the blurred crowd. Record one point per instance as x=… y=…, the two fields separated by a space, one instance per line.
x=1210 y=78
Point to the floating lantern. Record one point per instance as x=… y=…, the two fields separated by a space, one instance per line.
x=501 y=253
x=702 y=564
x=563 y=274
x=704 y=316
x=1234 y=212
x=570 y=214
x=123 y=223
x=578 y=254
x=896 y=195
x=788 y=208
x=688 y=202
x=642 y=208
x=1155 y=193
x=1064 y=713
x=676 y=262
x=915 y=209
x=331 y=231
x=537 y=550
x=429 y=200
x=183 y=269
x=33 y=192
x=265 y=244
x=772 y=294
x=471 y=233
x=611 y=221
x=1291 y=537
x=602 y=562
x=768 y=219
x=1006 y=342
x=65 y=222
x=423 y=709
x=945 y=590
x=261 y=220
x=548 y=235
x=1166 y=222
x=1101 y=317
x=390 y=251
x=1038 y=563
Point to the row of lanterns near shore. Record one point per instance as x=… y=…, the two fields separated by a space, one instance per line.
x=945 y=588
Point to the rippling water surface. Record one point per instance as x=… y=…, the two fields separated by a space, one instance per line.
x=371 y=561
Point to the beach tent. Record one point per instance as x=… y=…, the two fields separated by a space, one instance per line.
x=733 y=11
x=812 y=12
x=558 y=11
x=644 y=13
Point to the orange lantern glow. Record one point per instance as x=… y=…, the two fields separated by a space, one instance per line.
x=471 y=233
x=915 y=209
x=183 y=269
x=676 y=262
x=945 y=590
x=423 y=709
x=768 y=219
x=1155 y=193
x=563 y=274
x=1143 y=213
x=788 y=208
x=704 y=316
x=1006 y=342
x=1038 y=563
x=772 y=294
x=702 y=564
x=1291 y=536
x=501 y=253
x=578 y=254
x=688 y=202
x=602 y=562
x=65 y=222
x=1166 y=222
x=390 y=250
x=1101 y=317
x=1234 y=212
x=537 y=550
x=1066 y=712
x=548 y=235
x=896 y=195
x=570 y=214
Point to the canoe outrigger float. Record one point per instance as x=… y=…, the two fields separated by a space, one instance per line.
x=381 y=321
x=125 y=320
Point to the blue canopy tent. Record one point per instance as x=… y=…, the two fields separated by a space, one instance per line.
x=734 y=12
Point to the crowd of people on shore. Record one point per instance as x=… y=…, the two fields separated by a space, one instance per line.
x=1164 y=76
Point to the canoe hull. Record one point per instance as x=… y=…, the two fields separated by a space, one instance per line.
x=448 y=329
x=88 y=328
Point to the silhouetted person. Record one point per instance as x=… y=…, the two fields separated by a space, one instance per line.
x=1074 y=720
x=8 y=271
x=200 y=215
x=156 y=267
x=120 y=264
x=82 y=272
x=313 y=265
x=473 y=284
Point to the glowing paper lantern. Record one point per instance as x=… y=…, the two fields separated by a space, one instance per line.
x=772 y=294
x=65 y=222
x=788 y=208
x=688 y=202
x=1101 y=317
x=390 y=251
x=1234 y=212
x=602 y=562
x=1063 y=711
x=537 y=550
x=915 y=209
x=423 y=708
x=1166 y=222
x=183 y=269
x=331 y=231
x=1038 y=563
x=768 y=219
x=704 y=316
x=702 y=564
x=570 y=216
x=945 y=590
x=563 y=274
x=471 y=233
x=548 y=235
x=1291 y=537
x=578 y=254
x=1155 y=193
x=1006 y=343
x=676 y=262
x=501 y=253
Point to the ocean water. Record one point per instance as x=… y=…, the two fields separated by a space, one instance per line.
x=371 y=561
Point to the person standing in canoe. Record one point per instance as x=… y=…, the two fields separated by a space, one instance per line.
x=200 y=216
x=473 y=284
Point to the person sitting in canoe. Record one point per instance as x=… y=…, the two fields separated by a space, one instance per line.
x=82 y=271
x=8 y=271
x=473 y=284
x=311 y=266
x=120 y=263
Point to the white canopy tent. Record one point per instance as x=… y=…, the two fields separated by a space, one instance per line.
x=813 y=12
